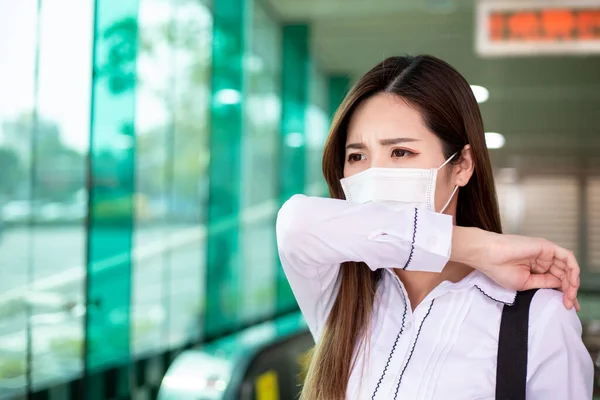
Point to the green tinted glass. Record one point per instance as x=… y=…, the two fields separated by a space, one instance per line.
x=294 y=103
x=338 y=87
x=171 y=120
x=112 y=166
x=223 y=258
x=317 y=128
x=259 y=197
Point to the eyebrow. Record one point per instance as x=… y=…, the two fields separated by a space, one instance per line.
x=383 y=142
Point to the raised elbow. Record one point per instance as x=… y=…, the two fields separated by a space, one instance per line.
x=291 y=224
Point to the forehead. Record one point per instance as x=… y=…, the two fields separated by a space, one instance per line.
x=385 y=116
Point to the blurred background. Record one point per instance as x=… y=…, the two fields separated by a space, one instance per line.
x=146 y=145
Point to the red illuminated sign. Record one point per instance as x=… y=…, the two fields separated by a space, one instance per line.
x=538 y=27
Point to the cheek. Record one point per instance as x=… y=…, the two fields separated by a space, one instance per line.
x=346 y=170
x=355 y=168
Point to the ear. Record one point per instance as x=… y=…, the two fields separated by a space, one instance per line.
x=464 y=169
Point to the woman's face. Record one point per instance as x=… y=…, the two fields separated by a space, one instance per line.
x=384 y=131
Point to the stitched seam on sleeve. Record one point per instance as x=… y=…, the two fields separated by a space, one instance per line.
x=412 y=246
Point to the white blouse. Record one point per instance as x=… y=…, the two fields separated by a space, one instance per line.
x=445 y=349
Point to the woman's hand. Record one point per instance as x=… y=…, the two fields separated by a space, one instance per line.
x=520 y=262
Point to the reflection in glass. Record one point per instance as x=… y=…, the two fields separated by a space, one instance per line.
x=112 y=154
x=153 y=134
x=44 y=140
x=226 y=125
x=172 y=100
x=317 y=128
x=61 y=145
x=18 y=29
x=262 y=113
x=189 y=173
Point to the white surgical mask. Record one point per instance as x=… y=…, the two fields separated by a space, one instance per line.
x=414 y=187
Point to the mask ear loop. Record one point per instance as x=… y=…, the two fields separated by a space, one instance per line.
x=447 y=161
x=449 y=200
x=455 y=188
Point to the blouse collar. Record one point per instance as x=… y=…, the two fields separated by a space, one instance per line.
x=484 y=285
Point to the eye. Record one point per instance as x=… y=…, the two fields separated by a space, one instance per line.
x=400 y=153
x=355 y=157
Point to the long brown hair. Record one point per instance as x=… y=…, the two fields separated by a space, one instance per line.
x=450 y=110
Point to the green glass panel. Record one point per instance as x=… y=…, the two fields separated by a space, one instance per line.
x=172 y=110
x=294 y=97
x=112 y=167
x=188 y=187
x=317 y=128
x=223 y=253
x=154 y=137
x=339 y=85
x=259 y=194
x=296 y=64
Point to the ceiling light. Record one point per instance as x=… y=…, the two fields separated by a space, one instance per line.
x=481 y=93
x=494 y=140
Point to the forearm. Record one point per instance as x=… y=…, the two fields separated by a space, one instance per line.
x=318 y=231
x=469 y=245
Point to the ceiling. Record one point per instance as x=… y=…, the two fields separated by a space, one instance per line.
x=540 y=104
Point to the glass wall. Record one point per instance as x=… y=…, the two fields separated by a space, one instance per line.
x=111 y=172
x=189 y=176
x=259 y=194
x=172 y=99
x=44 y=143
x=107 y=140
x=296 y=63
x=59 y=188
x=317 y=129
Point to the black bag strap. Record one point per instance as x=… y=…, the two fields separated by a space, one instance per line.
x=511 y=373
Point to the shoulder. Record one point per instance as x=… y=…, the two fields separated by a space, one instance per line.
x=559 y=364
x=548 y=310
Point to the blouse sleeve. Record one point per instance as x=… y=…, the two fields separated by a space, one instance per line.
x=315 y=235
x=559 y=365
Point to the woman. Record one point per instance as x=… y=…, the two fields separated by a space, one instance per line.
x=404 y=283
